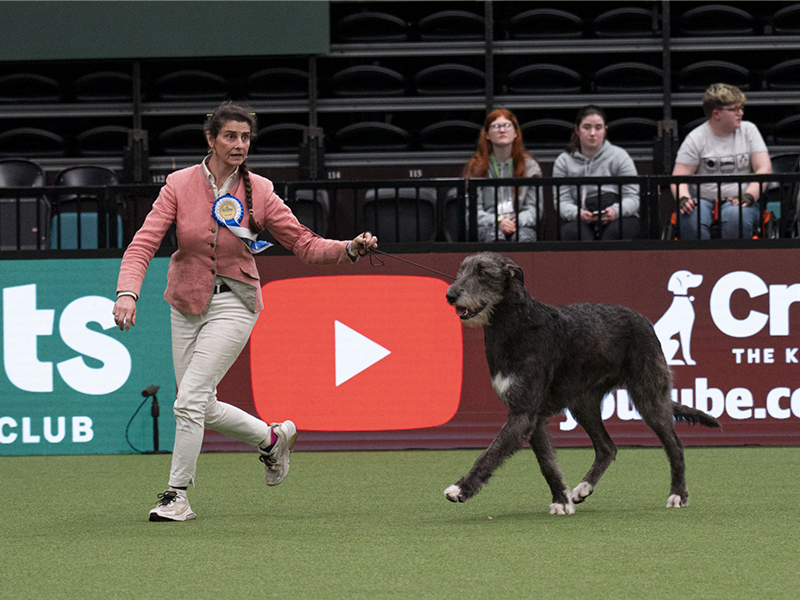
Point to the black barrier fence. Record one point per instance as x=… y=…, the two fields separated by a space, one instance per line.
x=437 y=210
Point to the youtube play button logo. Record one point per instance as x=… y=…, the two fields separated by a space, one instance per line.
x=357 y=353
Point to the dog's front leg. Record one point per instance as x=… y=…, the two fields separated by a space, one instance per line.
x=508 y=441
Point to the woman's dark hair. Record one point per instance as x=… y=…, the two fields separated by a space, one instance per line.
x=230 y=111
x=591 y=109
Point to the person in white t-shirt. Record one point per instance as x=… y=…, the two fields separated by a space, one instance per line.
x=723 y=145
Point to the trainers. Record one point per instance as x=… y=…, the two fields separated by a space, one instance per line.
x=276 y=460
x=172 y=506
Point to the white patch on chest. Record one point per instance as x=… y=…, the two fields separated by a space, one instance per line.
x=501 y=384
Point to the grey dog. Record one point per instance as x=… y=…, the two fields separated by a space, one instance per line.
x=544 y=359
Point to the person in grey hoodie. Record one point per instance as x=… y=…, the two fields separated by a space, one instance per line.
x=607 y=211
x=505 y=213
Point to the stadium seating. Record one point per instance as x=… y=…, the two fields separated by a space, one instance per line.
x=23 y=220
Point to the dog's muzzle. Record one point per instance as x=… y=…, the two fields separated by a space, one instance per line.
x=468 y=313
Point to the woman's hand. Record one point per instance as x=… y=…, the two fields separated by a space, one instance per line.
x=125 y=312
x=508 y=225
x=363 y=243
x=609 y=214
x=588 y=216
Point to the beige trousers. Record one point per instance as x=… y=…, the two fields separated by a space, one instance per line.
x=203 y=349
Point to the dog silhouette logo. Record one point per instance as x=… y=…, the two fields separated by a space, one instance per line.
x=679 y=319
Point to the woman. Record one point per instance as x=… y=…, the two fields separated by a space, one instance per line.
x=590 y=215
x=214 y=291
x=505 y=213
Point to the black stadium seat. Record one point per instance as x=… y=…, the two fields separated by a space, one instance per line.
x=632 y=131
x=277 y=83
x=193 y=84
x=449 y=79
x=29 y=87
x=106 y=140
x=103 y=86
x=544 y=78
x=368 y=80
x=450 y=135
x=627 y=21
x=627 y=77
x=545 y=23
x=716 y=20
x=400 y=215
x=547 y=133
x=451 y=25
x=30 y=231
x=698 y=76
x=370 y=136
x=183 y=140
x=31 y=141
x=784 y=75
x=370 y=26
x=279 y=138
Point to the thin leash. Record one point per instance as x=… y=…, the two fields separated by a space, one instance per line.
x=377 y=262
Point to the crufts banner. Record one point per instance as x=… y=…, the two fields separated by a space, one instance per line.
x=374 y=358
x=71 y=380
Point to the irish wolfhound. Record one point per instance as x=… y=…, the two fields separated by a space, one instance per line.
x=544 y=359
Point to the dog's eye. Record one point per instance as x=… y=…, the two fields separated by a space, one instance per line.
x=480 y=272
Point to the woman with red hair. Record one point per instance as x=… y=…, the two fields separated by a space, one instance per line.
x=505 y=213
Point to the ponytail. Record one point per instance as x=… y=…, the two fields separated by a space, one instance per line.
x=248 y=198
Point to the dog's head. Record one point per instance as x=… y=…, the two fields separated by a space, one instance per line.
x=682 y=281
x=482 y=282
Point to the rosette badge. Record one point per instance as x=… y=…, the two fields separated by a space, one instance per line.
x=228 y=211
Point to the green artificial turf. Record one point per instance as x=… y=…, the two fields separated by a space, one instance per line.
x=376 y=525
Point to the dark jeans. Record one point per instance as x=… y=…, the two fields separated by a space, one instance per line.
x=630 y=230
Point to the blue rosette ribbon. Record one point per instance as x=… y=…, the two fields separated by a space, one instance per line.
x=228 y=211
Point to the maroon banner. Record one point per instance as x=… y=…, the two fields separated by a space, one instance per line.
x=379 y=355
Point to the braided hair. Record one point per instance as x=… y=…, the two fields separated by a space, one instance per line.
x=231 y=111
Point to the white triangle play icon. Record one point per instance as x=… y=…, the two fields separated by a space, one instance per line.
x=354 y=352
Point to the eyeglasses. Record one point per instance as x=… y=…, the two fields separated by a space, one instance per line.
x=497 y=126
x=734 y=109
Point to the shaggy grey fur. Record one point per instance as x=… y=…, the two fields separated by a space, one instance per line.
x=544 y=359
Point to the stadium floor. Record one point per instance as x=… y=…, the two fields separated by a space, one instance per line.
x=376 y=525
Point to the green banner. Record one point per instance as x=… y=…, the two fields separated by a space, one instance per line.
x=71 y=380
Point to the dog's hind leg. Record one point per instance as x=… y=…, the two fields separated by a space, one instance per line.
x=587 y=411
x=507 y=442
x=543 y=448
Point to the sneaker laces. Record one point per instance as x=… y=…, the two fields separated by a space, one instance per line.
x=268 y=459
x=167 y=498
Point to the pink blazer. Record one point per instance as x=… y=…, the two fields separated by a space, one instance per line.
x=205 y=248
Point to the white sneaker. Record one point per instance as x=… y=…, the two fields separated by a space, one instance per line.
x=172 y=506
x=276 y=461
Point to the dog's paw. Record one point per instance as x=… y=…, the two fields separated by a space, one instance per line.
x=675 y=501
x=581 y=492
x=453 y=493
x=557 y=508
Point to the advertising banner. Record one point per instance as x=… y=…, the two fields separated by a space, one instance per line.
x=374 y=358
x=71 y=380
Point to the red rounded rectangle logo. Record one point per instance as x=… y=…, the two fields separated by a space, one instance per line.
x=357 y=353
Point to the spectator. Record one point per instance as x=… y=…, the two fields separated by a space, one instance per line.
x=592 y=211
x=722 y=145
x=505 y=213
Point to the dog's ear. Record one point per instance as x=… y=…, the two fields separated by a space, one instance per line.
x=515 y=271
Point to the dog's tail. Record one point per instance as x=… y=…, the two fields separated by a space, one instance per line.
x=693 y=416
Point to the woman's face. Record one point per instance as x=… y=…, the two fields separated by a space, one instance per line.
x=232 y=143
x=591 y=132
x=501 y=132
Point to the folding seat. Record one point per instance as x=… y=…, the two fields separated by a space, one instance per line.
x=632 y=132
x=543 y=78
x=76 y=215
x=183 y=139
x=787 y=131
x=547 y=133
x=103 y=86
x=106 y=140
x=279 y=138
x=277 y=83
x=452 y=25
x=31 y=141
x=449 y=79
x=24 y=221
x=370 y=26
x=628 y=21
x=626 y=77
x=545 y=23
x=786 y=21
x=784 y=75
x=29 y=87
x=400 y=214
x=716 y=20
x=370 y=136
x=368 y=80
x=698 y=76
x=193 y=85
x=450 y=135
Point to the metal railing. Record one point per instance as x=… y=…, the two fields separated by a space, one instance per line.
x=402 y=211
